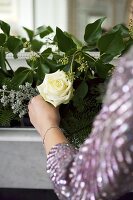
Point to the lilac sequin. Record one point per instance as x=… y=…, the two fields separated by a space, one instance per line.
x=102 y=169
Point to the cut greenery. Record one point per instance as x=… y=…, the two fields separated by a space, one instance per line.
x=60 y=50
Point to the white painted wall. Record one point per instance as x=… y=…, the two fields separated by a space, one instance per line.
x=51 y=12
x=25 y=13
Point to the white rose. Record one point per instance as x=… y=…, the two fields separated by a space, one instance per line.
x=56 y=88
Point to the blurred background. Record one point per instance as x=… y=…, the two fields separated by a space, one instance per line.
x=69 y=15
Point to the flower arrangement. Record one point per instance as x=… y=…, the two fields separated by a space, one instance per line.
x=63 y=70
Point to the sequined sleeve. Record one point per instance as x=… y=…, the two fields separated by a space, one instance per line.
x=103 y=166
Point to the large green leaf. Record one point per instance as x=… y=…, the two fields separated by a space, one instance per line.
x=88 y=57
x=22 y=75
x=80 y=94
x=111 y=43
x=29 y=32
x=76 y=41
x=128 y=44
x=36 y=45
x=46 y=52
x=2 y=39
x=123 y=30
x=65 y=43
x=93 y=31
x=52 y=64
x=14 y=45
x=42 y=70
x=103 y=69
x=82 y=90
x=2 y=59
x=43 y=31
x=106 y=58
x=5 y=27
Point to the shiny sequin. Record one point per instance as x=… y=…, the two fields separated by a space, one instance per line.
x=102 y=169
x=125 y=88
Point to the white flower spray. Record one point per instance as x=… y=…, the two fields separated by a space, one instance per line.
x=18 y=100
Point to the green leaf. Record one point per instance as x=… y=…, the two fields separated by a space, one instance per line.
x=42 y=70
x=111 y=43
x=65 y=43
x=22 y=75
x=2 y=77
x=82 y=90
x=43 y=31
x=89 y=47
x=106 y=58
x=5 y=27
x=46 y=52
x=2 y=39
x=93 y=31
x=6 y=115
x=29 y=32
x=53 y=65
x=123 y=30
x=103 y=69
x=14 y=45
x=2 y=59
x=33 y=63
x=76 y=41
x=36 y=45
x=89 y=58
x=128 y=45
x=79 y=95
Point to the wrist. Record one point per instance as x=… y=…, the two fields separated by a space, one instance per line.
x=44 y=129
x=50 y=130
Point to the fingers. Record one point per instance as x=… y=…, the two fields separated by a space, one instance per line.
x=40 y=103
x=33 y=99
x=35 y=102
x=30 y=102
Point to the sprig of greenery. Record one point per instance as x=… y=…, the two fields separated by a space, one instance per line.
x=18 y=100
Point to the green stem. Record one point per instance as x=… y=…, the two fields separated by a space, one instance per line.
x=71 y=65
x=90 y=57
x=9 y=65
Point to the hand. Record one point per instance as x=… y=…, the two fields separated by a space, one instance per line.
x=42 y=114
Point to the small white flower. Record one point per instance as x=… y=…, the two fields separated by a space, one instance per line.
x=56 y=88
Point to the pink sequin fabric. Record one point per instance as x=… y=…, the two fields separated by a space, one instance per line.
x=102 y=169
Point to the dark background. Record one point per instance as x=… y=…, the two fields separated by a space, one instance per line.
x=29 y=194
